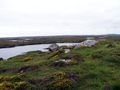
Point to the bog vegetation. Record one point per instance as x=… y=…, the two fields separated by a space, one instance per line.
x=90 y=68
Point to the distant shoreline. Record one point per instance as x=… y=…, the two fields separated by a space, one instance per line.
x=22 y=41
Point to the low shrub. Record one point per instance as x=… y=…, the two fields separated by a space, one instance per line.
x=115 y=85
x=75 y=56
x=59 y=75
x=110 y=45
x=58 y=64
x=112 y=58
x=98 y=54
x=73 y=62
x=6 y=86
x=14 y=78
x=64 y=84
x=62 y=81
x=5 y=78
x=57 y=81
x=15 y=82
x=26 y=59
x=23 y=85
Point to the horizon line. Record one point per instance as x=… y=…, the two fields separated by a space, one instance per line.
x=59 y=35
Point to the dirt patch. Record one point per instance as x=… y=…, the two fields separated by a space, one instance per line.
x=66 y=60
x=22 y=69
x=27 y=69
x=74 y=56
x=2 y=70
x=58 y=64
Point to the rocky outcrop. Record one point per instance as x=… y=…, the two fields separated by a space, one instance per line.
x=53 y=47
x=67 y=50
x=88 y=43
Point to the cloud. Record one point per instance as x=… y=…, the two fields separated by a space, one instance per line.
x=58 y=17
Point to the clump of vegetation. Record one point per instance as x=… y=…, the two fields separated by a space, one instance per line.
x=73 y=62
x=111 y=55
x=64 y=81
x=58 y=64
x=23 y=85
x=13 y=78
x=115 y=85
x=112 y=58
x=66 y=60
x=57 y=81
x=72 y=55
x=15 y=82
x=6 y=86
x=56 y=54
x=110 y=46
x=98 y=54
x=26 y=59
x=65 y=84
x=1 y=59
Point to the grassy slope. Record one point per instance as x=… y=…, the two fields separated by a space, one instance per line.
x=99 y=70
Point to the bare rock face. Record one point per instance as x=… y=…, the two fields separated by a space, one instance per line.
x=88 y=43
x=53 y=47
x=67 y=50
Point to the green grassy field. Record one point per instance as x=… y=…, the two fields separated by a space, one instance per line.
x=94 y=68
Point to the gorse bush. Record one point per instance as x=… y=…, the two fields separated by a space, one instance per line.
x=26 y=59
x=6 y=86
x=73 y=62
x=62 y=81
x=64 y=84
x=57 y=81
x=23 y=85
x=15 y=82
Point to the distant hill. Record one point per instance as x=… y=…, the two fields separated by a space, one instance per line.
x=113 y=34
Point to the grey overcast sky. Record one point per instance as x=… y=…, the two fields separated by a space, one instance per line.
x=59 y=17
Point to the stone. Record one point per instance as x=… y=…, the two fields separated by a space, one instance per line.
x=67 y=50
x=53 y=47
x=61 y=63
x=88 y=43
x=64 y=60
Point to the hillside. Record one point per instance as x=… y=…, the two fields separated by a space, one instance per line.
x=90 y=68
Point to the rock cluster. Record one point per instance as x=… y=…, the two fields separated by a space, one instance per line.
x=53 y=47
x=88 y=43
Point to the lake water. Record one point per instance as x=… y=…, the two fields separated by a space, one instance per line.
x=18 y=50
